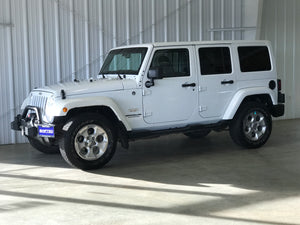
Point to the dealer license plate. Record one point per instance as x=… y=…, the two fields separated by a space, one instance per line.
x=46 y=131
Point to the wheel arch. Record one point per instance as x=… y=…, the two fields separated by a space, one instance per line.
x=98 y=104
x=105 y=110
x=262 y=96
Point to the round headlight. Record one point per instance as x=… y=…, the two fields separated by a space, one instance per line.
x=48 y=112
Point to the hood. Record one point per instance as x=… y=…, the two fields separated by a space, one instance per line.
x=87 y=87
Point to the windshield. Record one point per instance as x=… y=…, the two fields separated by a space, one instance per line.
x=124 y=61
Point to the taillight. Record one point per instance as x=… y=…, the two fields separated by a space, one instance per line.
x=279 y=84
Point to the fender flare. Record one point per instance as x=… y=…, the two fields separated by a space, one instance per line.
x=72 y=103
x=239 y=96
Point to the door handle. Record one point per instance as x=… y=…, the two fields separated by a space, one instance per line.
x=227 y=82
x=188 y=85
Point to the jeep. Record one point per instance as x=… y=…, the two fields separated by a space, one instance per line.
x=149 y=90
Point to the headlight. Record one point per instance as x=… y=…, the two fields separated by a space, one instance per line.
x=48 y=112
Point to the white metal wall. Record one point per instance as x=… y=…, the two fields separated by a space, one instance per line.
x=46 y=41
x=281 y=25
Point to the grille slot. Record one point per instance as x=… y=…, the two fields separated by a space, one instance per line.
x=38 y=101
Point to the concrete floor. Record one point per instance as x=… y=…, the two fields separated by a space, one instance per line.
x=169 y=180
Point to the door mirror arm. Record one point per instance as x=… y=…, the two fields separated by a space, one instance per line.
x=149 y=83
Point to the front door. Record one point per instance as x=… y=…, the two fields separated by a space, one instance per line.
x=217 y=81
x=174 y=97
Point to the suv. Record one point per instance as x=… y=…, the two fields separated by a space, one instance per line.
x=148 y=90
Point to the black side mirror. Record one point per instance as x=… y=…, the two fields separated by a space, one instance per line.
x=153 y=74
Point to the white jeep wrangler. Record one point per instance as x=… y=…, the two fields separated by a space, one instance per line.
x=148 y=90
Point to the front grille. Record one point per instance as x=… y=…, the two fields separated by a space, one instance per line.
x=38 y=101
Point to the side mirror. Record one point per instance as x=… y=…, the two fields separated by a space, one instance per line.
x=153 y=74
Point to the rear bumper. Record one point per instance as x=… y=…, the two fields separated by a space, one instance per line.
x=281 y=97
x=277 y=110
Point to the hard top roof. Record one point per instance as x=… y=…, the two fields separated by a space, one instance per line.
x=166 y=44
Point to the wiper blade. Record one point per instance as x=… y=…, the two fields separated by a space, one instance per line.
x=114 y=73
x=103 y=75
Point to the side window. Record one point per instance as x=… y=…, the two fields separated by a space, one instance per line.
x=172 y=62
x=254 y=58
x=215 y=60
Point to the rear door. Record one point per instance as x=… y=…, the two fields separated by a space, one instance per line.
x=217 y=79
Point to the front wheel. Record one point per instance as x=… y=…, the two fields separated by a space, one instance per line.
x=252 y=125
x=89 y=143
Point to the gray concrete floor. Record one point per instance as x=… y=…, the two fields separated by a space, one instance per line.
x=169 y=180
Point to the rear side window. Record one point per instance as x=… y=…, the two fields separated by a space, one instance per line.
x=215 y=60
x=254 y=58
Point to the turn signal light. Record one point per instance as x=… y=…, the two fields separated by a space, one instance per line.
x=65 y=109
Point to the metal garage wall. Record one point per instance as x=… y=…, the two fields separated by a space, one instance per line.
x=46 y=41
x=281 y=25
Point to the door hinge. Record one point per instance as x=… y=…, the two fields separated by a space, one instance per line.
x=147 y=114
x=202 y=108
x=202 y=89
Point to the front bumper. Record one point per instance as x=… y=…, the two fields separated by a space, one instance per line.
x=32 y=126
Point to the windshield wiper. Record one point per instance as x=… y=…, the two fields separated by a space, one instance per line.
x=103 y=75
x=119 y=75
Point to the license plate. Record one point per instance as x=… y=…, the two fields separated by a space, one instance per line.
x=46 y=131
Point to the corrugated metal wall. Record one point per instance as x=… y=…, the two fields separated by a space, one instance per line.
x=281 y=25
x=46 y=41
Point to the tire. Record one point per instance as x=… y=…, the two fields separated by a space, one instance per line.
x=89 y=143
x=198 y=134
x=43 y=146
x=252 y=125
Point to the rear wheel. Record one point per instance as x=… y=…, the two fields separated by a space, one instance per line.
x=44 y=145
x=198 y=134
x=252 y=125
x=89 y=143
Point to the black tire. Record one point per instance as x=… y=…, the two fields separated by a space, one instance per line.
x=197 y=134
x=251 y=127
x=77 y=156
x=45 y=147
